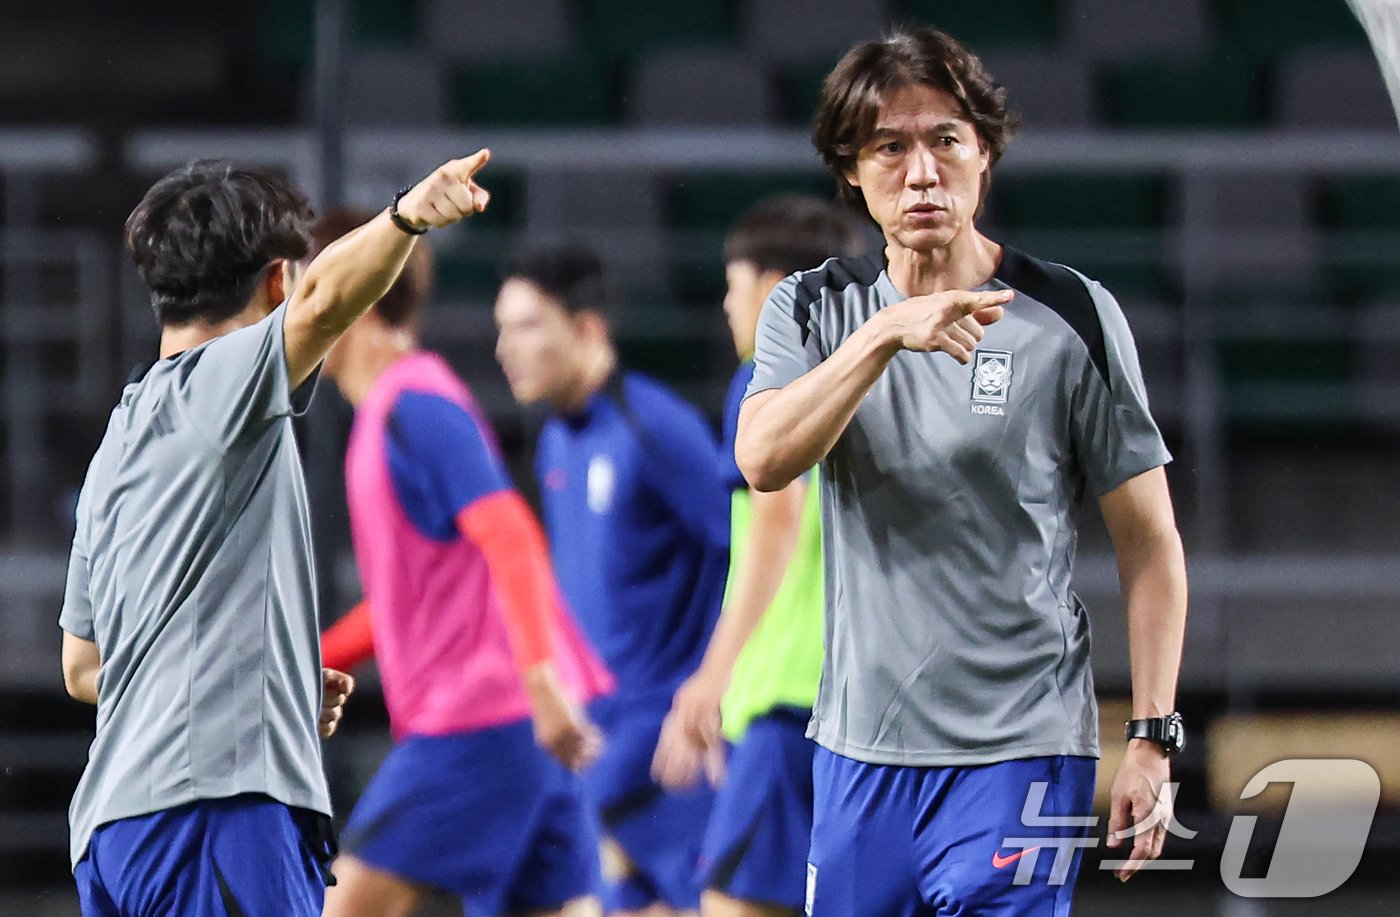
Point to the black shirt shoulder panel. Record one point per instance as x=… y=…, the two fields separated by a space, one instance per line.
x=1063 y=292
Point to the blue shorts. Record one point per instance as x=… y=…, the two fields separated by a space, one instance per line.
x=244 y=856
x=892 y=841
x=761 y=826
x=485 y=815
x=659 y=831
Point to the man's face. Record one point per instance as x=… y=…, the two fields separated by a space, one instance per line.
x=537 y=342
x=746 y=289
x=921 y=170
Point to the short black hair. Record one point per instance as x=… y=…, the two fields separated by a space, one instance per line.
x=203 y=234
x=792 y=233
x=570 y=272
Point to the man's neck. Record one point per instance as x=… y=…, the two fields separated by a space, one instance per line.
x=598 y=366
x=967 y=262
x=355 y=383
x=179 y=338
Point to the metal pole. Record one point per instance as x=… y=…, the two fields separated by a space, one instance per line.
x=330 y=69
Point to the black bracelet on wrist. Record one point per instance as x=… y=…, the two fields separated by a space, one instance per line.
x=398 y=220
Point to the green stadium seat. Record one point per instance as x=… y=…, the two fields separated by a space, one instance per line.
x=1362 y=216
x=983 y=25
x=286 y=32
x=1304 y=376
x=1268 y=28
x=714 y=200
x=799 y=88
x=1078 y=201
x=1369 y=202
x=626 y=29
x=1210 y=91
x=564 y=91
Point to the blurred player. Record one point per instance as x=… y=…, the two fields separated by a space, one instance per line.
x=189 y=615
x=956 y=685
x=639 y=529
x=472 y=646
x=764 y=659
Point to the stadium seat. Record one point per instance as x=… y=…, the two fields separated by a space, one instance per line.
x=1203 y=91
x=982 y=26
x=1298 y=370
x=1262 y=28
x=1050 y=90
x=495 y=30
x=286 y=29
x=770 y=28
x=625 y=29
x=1362 y=217
x=570 y=90
x=1241 y=745
x=392 y=87
x=1076 y=200
x=713 y=200
x=688 y=88
x=1323 y=88
x=799 y=88
x=1114 y=30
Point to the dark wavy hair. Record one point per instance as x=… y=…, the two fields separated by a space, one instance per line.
x=569 y=272
x=203 y=235
x=872 y=71
x=402 y=306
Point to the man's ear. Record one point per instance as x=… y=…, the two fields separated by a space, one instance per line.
x=280 y=280
x=591 y=324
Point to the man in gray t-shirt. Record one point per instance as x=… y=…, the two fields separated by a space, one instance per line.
x=189 y=615
x=962 y=398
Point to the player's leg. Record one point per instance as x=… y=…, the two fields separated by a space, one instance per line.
x=558 y=875
x=753 y=860
x=977 y=856
x=650 y=869
x=452 y=813
x=361 y=890
x=862 y=858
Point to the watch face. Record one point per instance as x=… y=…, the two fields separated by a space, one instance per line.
x=1176 y=733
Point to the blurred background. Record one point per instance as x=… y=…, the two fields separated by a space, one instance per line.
x=1230 y=169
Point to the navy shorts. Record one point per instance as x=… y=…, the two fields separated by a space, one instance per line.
x=659 y=831
x=891 y=841
x=756 y=844
x=485 y=815
x=244 y=856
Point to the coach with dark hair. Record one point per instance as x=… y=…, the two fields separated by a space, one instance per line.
x=961 y=397
x=189 y=616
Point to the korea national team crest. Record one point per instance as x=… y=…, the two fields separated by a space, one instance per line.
x=991 y=381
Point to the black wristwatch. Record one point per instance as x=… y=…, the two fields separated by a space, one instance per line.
x=1166 y=731
x=398 y=220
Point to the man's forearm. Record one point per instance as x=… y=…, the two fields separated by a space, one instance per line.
x=790 y=430
x=347 y=278
x=1153 y=575
x=759 y=570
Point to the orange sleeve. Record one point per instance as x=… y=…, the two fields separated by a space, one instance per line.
x=349 y=641
x=507 y=533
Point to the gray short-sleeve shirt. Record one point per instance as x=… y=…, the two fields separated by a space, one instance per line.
x=948 y=507
x=191 y=570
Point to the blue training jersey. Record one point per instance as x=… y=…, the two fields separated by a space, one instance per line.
x=729 y=471
x=638 y=520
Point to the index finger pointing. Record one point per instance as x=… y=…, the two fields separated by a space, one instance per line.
x=463 y=169
x=972 y=302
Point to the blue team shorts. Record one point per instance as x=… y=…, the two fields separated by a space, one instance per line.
x=659 y=831
x=756 y=844
x=891 y=841
x=244 y=856
x=485 y=815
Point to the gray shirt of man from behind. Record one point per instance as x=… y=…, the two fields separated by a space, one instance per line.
x=191 y=570
x=949 y=505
